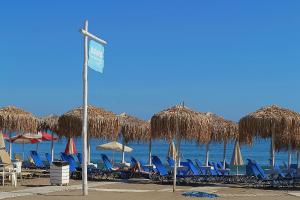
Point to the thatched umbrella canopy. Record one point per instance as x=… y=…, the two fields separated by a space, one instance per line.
x=281 y=124
x=13 y=119
x=223 y=130
x=49 y=122
x=180 y=122
x=133 y=129
x=101 y=123
x=189 y=124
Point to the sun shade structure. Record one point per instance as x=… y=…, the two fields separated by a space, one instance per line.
x=13 y=119
x=114 y=146
x=223 y=130
x=71 y=147
x=237 y=159
x=281 y=124
x=101 y=123
x=28 y=138
x=2 y=143
x=180 y=122
x=50 y=123
x=133 y=129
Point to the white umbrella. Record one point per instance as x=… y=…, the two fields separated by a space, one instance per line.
x=114 y=146
x=237 y=159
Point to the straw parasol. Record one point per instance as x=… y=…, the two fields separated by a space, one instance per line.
x=180 y=122
x=281 y=124
x=50 y=123
x=223 y=130
x=2 y=143
x=133 y=129
x=101 y=123
x=13 y=119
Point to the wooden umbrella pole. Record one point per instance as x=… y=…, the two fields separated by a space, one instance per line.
x=289 y=155
x=207 y=154
x=150 y=152
x=273 y=147
x=123 y=151
x=297 y=159
x=52 y=148
x=224 y=155
x=175 y=172
x=10 y=147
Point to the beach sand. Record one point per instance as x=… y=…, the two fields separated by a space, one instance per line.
x=39 y=188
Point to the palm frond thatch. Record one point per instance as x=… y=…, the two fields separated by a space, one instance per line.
x=179 y=119
x=283 y=122
x=133 y=129
x=222 y=129
x=13 y=119
x=101 y=123
x=49 y=122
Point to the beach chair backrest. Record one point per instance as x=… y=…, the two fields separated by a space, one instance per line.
x=170 y=161
x=216 y=169
x=79 y=157
x=200 y=167
x=106 y=162
x=133 y=161
x=48 y=157
x=4 y=157
x=193 y=168
x=220 y=165
x=36 y=159
x=261 y=171
x=70 y=159
x=159 y=166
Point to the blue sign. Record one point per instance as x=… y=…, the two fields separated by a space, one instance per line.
x=96 y=56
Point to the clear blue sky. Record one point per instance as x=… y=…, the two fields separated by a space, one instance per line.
x=227 y=57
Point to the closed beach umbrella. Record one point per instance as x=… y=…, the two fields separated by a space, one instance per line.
x=114 y=146
x=13 y=119
x=180 y=122
x=132 y=129
x=222 y=131
x=280 y=124
x=71 y=147
x=236 y=159
x=50 y=123
x=2 y=143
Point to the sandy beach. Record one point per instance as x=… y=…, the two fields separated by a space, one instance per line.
x=39 y=188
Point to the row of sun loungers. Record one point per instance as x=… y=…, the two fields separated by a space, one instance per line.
x=190 y=172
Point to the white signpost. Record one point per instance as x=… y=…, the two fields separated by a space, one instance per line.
x=97 y=51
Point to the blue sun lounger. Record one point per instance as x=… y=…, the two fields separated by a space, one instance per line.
x=111 y=171
x=38 y=163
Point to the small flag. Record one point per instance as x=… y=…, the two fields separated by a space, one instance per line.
x=96 y=56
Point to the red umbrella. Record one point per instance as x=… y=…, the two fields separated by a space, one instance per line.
x=71 y=147
x=47 y=137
